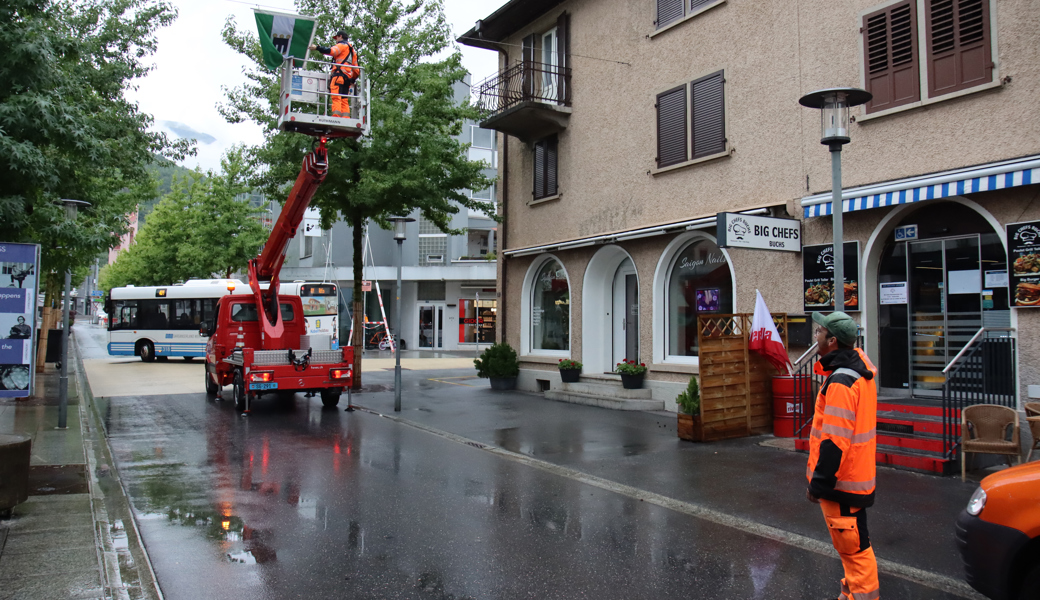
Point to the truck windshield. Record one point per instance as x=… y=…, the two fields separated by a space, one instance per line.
x=247 y=312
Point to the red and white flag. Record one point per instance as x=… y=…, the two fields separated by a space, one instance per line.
x=765 y=339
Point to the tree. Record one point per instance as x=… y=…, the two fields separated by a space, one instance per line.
x=411 y=161
x=204 y=227
x=66 y=130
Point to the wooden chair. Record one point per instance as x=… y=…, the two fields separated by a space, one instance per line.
x=984 y=430
x=1033 y=417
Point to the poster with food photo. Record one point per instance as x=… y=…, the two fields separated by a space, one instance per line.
x=1024 y=263
x=818 y=277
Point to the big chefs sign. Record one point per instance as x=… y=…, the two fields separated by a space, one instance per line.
x=758 y=233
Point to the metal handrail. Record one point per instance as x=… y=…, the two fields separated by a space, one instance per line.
x=809 y=352
x=965 y=348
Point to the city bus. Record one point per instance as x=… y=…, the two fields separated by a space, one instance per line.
x=162 y=321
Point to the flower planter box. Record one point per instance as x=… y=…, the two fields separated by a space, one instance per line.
x=503 y=383
x=690 y=428
x=631 y=382
x=570 y=375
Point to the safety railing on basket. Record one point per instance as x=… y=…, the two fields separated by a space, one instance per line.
x=306 y=94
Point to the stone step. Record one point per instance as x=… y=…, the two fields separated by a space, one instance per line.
x=612 y=402
x=610 y=387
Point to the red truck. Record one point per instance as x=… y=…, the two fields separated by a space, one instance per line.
x=258 y=343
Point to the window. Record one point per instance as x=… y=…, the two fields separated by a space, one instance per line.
x=956 y=49
x=691 y=121
x=485 y=194
x=306 y=246
x=545 y=174
x=247 y=312
x=477 y=321
x=551 y=308
x=189 y=314
x=699 y=282
x=670 y=11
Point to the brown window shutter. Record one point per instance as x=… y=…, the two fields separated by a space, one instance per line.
x=695 y=4
x=539 y=170
x=709 y=115
x=671 y=127
x=958 y=45
x=550 y=166
x=669 y=11
x=563 y=50
x=890 y=56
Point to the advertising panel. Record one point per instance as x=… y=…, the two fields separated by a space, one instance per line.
x=19 y=266
x=758 y=233
x=818 y=277
x=1024 y=263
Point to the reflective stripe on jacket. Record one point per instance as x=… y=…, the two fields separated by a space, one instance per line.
x=843 y=440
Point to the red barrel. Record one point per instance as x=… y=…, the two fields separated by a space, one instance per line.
x=791 y=397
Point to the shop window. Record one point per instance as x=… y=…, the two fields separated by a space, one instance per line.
x=699 y=283
x=550 y=308
x=477 y=321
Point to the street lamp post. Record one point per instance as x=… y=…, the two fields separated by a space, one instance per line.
x=399 y=236
x=71 y=209
x=834 y=104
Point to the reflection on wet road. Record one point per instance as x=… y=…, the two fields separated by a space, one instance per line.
x=301 y=502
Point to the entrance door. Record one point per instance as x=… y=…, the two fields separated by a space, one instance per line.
x=431 y=326
x=945 y=297
x=625 y=322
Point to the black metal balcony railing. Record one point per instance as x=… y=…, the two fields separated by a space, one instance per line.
x=982 y=373
x=525 y=81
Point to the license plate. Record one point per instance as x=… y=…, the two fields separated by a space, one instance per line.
x=263 y=386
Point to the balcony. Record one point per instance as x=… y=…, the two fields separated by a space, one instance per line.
x=528 y=100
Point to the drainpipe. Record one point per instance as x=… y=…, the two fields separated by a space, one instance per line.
x=501 y=334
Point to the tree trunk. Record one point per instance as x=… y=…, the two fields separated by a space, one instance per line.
x=50 y=316
x=358 y=341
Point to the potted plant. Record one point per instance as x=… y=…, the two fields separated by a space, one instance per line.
x=570 y=370
x=500 y=364
x=631 y=374
x=689 y=423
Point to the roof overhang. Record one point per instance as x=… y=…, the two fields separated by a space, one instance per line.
x=504 y=22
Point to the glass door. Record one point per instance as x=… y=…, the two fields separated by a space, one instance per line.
x=945 y=307
x=431 y=326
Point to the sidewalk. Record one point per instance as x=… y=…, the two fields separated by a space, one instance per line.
x=60 y=543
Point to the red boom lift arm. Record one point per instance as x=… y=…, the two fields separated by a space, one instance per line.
x=266 y=266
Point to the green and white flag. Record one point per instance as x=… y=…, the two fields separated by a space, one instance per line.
x=283 y=35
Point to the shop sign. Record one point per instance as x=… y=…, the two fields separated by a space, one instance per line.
x=758 y=233
x=366 y=286
x=893 y=293
x=19 y=265
x=1024 y=263
x=818 y=277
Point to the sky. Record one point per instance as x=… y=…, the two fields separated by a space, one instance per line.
x=192 y=64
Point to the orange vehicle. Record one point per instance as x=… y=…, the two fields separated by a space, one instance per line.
x=999 y=534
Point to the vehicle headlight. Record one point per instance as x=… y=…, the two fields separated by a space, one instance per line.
x=977 y=502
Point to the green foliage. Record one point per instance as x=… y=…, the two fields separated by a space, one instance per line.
x=630 y=367
x=201 y=229
x=66 y=129
x=689 y=400
x=566 y=364
x=498 y=361
x=411 y=159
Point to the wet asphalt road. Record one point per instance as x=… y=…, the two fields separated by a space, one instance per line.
x=297 y=501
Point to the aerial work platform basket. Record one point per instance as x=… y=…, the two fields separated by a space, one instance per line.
x=305 y=102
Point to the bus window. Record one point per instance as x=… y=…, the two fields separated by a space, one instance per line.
x=247 y=312
x=185 y=314
x=123 y=315
x=154 y=314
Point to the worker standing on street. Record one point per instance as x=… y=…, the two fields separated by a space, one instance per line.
x=344 y=73
x=842 y=444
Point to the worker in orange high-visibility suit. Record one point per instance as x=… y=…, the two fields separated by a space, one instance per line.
x=344 y=72
x=842 y=444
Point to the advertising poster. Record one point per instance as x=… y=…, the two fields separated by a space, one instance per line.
x=818 y=277
x=19 y=266
x=1024 y=263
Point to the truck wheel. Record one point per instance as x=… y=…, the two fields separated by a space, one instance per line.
x=330 y=397
x=1031 y=585
x=147 y=351
x=212 y=389
x=238 y=391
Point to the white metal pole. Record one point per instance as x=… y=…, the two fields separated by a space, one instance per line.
x=397 y=331
x=839 y=239
x=63 y=381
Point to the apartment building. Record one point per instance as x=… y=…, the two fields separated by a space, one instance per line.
x=627 y=126
x=448 y=287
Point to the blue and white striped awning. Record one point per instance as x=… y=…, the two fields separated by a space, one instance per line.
x=982 y=178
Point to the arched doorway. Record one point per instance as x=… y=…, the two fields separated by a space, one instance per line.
x=934 y=292
x=610 y=310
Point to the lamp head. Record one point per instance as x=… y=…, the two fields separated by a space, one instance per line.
x=399 y=227
x=72 y=206
x=834 y=104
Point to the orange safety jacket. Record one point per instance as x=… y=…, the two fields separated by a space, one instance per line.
x=843 y=440
x=344 y=55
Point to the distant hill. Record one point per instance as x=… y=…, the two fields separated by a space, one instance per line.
x=163 y=170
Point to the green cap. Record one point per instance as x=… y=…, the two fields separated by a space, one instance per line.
x=840 y=325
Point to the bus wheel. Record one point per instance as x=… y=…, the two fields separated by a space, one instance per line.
x=212 y=389
x=238 y=391
x=147 y=351
x=330 y=397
